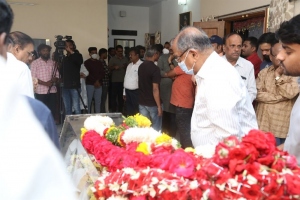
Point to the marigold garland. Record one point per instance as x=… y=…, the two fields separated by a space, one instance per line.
x=163 y=138
x=143 y=148
x=149 y=165
x=142 y=121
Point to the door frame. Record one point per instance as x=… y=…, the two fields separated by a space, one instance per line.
x=220 y=25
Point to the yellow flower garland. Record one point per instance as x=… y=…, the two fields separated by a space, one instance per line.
x=143 y=148
x=83 y=131
x=163 y=139
x=142 y=121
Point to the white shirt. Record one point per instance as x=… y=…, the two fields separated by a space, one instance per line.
x=222 y=104
x=20 y=74
x=246 y=70
x=292 y=142
x=31 y=167
x=131 y=80
x=83 y=85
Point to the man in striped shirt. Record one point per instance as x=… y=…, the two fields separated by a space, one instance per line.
x=222 y=105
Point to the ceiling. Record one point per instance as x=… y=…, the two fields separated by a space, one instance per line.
x=141 y=3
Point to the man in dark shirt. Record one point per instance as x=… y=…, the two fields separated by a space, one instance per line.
x=70 y=72
x=249 y=51
x=94 y=79
x=117 y=66
x=142 y=50
x=149 y=80
x=111 y=53
x=106 y=80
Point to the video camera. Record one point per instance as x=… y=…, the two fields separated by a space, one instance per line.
x=60 y=43
x=60 y=46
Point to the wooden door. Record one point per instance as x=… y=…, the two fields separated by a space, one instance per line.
x=212 y=27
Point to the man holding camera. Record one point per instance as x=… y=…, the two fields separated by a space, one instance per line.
x=70 y=73
x=43 y=69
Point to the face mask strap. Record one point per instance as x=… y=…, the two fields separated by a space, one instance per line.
x=186 y=55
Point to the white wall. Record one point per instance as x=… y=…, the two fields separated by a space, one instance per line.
x=50 y=18
x=137 y=18
x=297 y=8
x=222 y=7
x=164 y=17
x=155 y=19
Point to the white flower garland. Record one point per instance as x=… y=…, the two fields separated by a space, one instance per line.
x=98 y=123
x=140 y=135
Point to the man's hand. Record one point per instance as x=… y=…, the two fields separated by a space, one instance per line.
x=159 y=113
x=82 y=75
x=48 y=83
x=54 y=80
x=279 y=71
x=280 y=147
x=97 y=84
x=171 y=58
x=124 y=97
x=69 y=50
x=116 y=67
x=35 y=83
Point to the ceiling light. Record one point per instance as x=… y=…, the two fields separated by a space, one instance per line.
x=182 y=2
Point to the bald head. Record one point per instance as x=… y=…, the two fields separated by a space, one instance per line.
x=192 y=37
x=191 y=48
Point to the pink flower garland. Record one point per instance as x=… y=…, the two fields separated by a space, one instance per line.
x=253 y=169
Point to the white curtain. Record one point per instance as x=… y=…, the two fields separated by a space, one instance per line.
x=280 y=11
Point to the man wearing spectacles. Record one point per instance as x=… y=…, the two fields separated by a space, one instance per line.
x=222 y=104
x=232 y=49
x=20 y=48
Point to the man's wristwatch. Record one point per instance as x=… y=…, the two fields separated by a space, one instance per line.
x=277 y=78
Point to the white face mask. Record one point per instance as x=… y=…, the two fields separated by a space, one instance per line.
x=94 y=56
x=166 y=51
x=184 y=68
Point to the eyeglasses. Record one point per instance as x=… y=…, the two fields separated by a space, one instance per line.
x=30 y=54
x=178 y=59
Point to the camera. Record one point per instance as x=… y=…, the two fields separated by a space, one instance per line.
x=60 y=43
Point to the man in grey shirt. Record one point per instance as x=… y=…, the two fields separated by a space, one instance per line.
x=117 y=66
x=289 y=36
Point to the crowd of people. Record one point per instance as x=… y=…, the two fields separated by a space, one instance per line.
x=156 y=82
